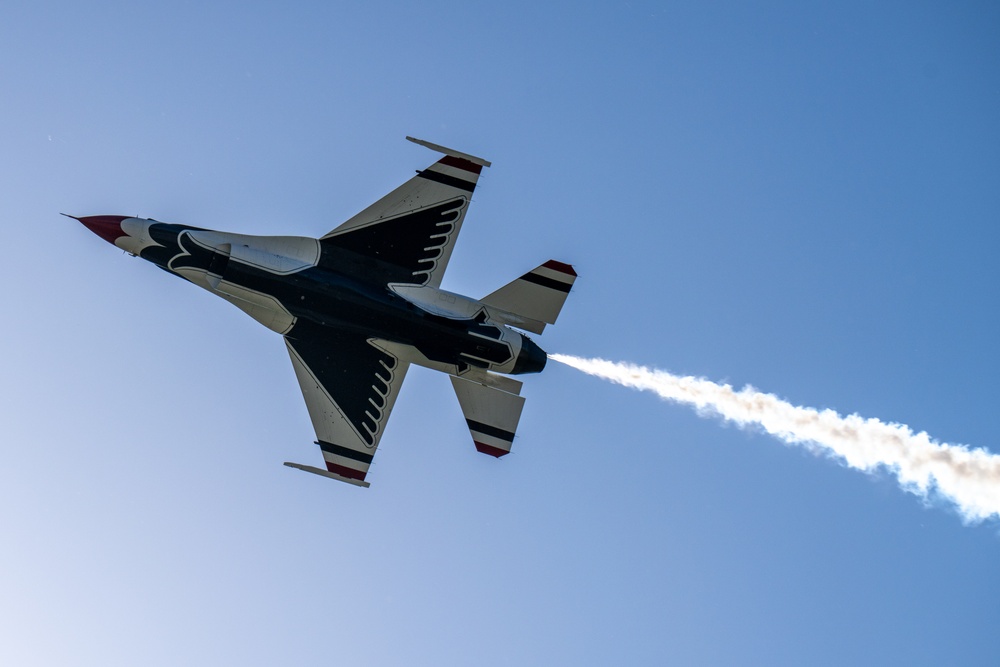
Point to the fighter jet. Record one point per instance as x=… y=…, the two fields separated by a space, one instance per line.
x=357 y=306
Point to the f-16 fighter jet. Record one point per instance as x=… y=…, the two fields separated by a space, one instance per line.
x=357 y=306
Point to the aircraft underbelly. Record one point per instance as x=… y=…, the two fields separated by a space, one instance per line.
x=341 y=303
x=357 y=306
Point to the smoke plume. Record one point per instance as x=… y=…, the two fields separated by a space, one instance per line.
x=969 y=478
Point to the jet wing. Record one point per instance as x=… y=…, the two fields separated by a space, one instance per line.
x=408 y=235
x=350 y=388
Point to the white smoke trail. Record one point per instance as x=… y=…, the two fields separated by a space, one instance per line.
x=970 y=478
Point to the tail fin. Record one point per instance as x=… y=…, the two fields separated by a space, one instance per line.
x=538 y=295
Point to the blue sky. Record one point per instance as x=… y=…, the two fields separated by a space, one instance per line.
x=799 y=197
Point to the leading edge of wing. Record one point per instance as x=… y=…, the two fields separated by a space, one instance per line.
x=454 y=175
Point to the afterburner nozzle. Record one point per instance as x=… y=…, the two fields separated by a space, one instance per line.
x=531 y=358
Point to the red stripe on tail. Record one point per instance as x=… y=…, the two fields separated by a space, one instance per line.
x=560 y=267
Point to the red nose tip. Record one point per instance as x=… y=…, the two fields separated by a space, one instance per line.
x=108 y=227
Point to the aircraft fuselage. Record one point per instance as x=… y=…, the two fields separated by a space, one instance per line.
x=360 y=304
x=273 y=280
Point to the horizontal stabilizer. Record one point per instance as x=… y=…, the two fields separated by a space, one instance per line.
x=501 y=382
x=537 y=295
x=491 y=415
x=326 y=473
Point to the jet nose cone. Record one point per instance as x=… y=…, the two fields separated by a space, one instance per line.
x=108 y=227
x=531 y=359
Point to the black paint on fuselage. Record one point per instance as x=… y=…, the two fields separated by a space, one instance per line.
x=345 y=294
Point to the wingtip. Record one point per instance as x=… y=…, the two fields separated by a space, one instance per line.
x=562 y=267
x=450 y=151
x=328 y=474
